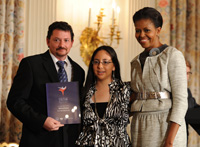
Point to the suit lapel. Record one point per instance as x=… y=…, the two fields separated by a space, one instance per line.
x=50 y=67
x=73 y=76
x=51 y=70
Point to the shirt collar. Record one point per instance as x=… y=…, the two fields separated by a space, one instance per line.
x=55 y=59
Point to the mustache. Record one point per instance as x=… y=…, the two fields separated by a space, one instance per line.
x=61 y=48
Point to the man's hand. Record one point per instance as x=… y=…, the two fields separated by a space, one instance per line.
x=51 y=124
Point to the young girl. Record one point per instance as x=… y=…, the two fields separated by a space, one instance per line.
x=105 y=113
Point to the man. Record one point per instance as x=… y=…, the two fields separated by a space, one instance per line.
x=27 y=97
x=192 y=116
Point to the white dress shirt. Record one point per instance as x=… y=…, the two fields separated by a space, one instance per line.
x=67 y=66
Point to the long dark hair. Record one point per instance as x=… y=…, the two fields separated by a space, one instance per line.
x=90 y=80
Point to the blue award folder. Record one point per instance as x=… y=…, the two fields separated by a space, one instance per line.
x=63 y=102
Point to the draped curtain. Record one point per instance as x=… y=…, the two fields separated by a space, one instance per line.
x=181 y=29
x=11 y=52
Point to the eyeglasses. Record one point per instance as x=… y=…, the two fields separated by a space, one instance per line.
x=97 y=62
x=189 y=73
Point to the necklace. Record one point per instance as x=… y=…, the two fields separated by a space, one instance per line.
x=96 y=106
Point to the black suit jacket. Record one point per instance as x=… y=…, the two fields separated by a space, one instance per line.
x=27 y=102
x=192 y=116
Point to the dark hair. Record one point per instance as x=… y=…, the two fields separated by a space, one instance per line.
x=90 y=80
x=149 y=13
x=60 y=25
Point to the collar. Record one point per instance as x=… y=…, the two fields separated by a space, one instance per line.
x=145 y=54
x=114 y=85
x=55 y=59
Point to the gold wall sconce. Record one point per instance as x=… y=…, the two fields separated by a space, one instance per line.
x=90 y=39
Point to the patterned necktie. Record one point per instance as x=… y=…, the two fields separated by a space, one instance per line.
x=62 y=75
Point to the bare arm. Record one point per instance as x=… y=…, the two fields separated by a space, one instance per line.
x=173 y=129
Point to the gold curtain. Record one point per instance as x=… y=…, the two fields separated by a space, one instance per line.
x=182 y=30
x=11 y=52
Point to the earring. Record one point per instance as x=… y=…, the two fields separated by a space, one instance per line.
x=113 y=74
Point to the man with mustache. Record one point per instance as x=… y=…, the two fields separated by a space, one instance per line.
x=27 y=97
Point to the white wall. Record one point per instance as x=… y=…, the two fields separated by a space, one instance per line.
x=41 y=13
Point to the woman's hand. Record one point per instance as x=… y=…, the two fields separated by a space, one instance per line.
x=168 y=144
x=132 y=97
